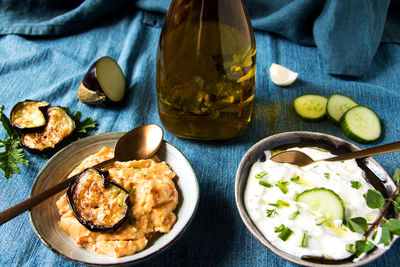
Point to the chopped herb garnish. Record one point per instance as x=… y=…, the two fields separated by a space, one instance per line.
x=282 y=187
x=264 y=183
x=131 y=221
x=350 y=248
x=304 y=241
x=279 y=204
x=132 y=191
x=117 y=169
x=271 y=213
x=294 y=215
x=320 y=220
x=136 y=169
x=355 y=184
x=260 y=175
x=285 y=183
x=327 y=175
x=295 y=179
x=284 y=232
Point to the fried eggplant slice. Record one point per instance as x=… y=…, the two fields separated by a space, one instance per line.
x=59 y=126
x=29 y=116
x=97 y=203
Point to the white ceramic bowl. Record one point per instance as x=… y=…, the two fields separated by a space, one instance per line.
x=375 y=174
x=44 y=217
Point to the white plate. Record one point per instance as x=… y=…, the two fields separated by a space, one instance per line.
x=44 y=217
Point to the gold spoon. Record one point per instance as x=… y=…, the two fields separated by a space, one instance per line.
x=300 y=159
x=139 y=143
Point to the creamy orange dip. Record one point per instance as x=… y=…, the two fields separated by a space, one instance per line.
x=152 y=200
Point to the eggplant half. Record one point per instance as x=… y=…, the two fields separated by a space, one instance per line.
x=59 y=126
x=103 y=83
x=97 y=203
x=29 y=116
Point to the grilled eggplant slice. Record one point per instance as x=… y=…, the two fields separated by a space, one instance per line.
x=97 y=203
x=29 y=116
x=59 y=126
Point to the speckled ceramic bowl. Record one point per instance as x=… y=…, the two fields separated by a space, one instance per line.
x=374 y=172
x=44 y=217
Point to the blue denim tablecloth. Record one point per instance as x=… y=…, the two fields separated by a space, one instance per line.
x=48 y=68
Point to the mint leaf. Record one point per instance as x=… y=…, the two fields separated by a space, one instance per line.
x=357 y=224
x=393 y=226
x=363 y=247
x=385 y=236
x=374 y=199
x=396 y=175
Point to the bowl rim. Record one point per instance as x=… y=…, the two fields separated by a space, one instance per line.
x=196 y=192
x=252 y=228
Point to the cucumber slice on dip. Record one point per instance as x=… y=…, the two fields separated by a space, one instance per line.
x=323 y=201
x=337 y=105
x=310 y=107
x=103 y=83
x=361 y=124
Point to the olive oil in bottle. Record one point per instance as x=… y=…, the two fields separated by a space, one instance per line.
x=206 y=69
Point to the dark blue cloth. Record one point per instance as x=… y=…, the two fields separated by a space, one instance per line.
x=50 y=68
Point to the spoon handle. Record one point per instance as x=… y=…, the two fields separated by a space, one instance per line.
x=29 y=203
x=391 y=147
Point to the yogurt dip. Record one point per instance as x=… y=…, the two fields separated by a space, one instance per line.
x=294 y=227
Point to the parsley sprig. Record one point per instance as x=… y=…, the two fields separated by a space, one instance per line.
x=81 y=126
x=13 y=154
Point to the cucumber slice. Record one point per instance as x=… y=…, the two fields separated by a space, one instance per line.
x=323 y=201
x=310 y=107
x=361 y=124
x=337 y=105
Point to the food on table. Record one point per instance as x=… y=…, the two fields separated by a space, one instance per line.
x=357 y=122
x=29 y=116
x=92 y=196
x=59 y=126
x=104 y=82
x=152 y=201
x=361 y=124
x=282 y=76
x=337 y=105
x=310 y=107
x=302 y=210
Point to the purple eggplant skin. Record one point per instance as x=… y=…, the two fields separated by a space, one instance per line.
x=90 y=91
x=90 y=79
x=91 y=83
x=22 y=129
x=88 y=224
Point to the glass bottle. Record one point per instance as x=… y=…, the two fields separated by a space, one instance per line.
x=206 y=62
